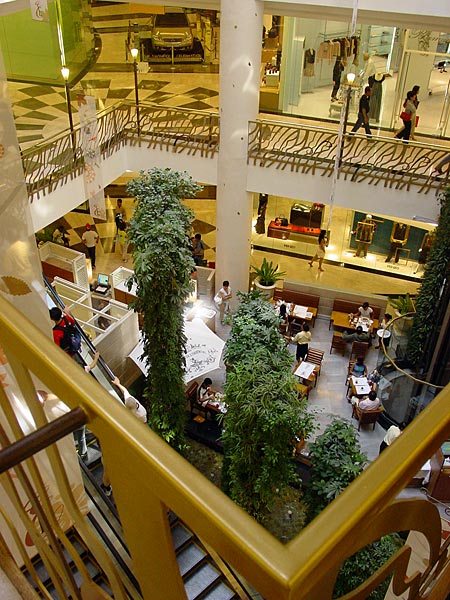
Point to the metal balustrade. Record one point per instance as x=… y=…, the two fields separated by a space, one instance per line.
x=379 y=161
x=375 y=160
x=148 y=478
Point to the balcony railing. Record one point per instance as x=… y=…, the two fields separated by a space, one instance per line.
x=299 y=147
x=148 y=478
x=378 y=160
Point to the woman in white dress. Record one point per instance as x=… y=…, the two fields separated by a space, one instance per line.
x=320 y=252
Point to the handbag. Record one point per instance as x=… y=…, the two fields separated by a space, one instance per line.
x=405 y=116
x=217 y=299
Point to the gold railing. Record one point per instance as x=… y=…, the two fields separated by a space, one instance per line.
x=52 y=163
x=380 y=160
x=148 y=477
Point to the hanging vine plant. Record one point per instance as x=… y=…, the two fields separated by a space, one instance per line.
x=432 y=289
x=162 y=265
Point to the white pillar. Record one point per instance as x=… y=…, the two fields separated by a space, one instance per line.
x=240 y=58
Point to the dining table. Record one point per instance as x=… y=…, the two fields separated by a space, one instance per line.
x=307 y=372
x=360 y=386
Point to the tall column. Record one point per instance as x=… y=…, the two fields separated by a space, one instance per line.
x=240 y=58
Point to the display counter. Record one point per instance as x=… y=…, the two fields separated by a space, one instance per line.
x=284 y=232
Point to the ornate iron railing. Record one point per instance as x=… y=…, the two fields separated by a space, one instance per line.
x=378 y=160
x=299 y=147
x=49 y=165
x=148 y=477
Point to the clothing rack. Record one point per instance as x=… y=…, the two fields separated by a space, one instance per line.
x=327 y=37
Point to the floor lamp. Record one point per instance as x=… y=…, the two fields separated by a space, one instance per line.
x=134 y=53
x=65 y=74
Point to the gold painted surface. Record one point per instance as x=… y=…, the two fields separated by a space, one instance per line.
x=147 y=474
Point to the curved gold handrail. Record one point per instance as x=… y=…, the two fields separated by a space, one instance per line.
x=148 y=477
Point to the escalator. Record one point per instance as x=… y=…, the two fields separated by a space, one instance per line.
x=203 y=579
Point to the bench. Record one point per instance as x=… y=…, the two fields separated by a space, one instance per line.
x=299 y=298
x=342 y=308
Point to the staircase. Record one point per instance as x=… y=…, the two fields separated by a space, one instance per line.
x=202 y=577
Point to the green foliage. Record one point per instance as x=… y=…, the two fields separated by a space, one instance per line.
x=364 y=563
x=264 y=412
x=336 y=460
x=268 y=273
x=162 y=266
x=435 y=277
x=254 y=323
x=45 y=235
x=403 y=304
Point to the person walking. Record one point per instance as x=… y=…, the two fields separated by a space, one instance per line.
x=363 y=113
x=437 y=171
x=320 y=252
x=225 y=294
x=408 y=117
x=198 y=249
x=90 y=239
x=122 y=239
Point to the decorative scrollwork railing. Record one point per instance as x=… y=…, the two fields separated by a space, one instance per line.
x=374 y=161
x=51 y=164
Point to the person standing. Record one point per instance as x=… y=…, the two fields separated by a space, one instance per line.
x=120 y=215
x=408 y=117
x=438 y=168
x=337 y=73
x=392 y=434
x=225 y=294
x=90 y=239
x=363 y=113
x=198 y=249
x=302 y=339
x=122 y=239
x=320 y=252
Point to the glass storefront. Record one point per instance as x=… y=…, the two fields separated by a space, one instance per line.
x=355 y=239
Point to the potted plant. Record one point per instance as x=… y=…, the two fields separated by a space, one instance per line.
x=266 y=277
x=403 y=307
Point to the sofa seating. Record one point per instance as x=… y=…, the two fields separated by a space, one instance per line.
x=342 y=308
x=299 y=298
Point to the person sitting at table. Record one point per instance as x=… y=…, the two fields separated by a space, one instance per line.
x=302 y=339
x=359 y=368
x=205 y=392
x=284 y=318
x=370 y=402
x=357 y=336
x=364 y=311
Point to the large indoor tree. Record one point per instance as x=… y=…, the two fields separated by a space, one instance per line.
x=265 y=417
x=434 y=293
x=162 y=257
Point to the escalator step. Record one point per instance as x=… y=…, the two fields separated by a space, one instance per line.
x=189 y=558
x=219 y=592
x=180 y=536
x=199 y=581
x=172 y=517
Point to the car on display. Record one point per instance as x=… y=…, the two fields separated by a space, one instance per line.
x=172 y=30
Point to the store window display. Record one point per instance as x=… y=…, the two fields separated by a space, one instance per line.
x=310 y=59
x=364 y=233
x=377 y=96
x=424 y=250
x=399 y=237
x=337 y=74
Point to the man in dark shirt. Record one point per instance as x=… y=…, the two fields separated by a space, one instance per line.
x=363 y=113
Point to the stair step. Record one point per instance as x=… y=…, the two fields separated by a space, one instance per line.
x=189 y=558
x=180 y=535
x=220 y=592
x=200 y=581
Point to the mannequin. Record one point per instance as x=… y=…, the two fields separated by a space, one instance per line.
x=399 y=237
x=377 y=96
x=364 y=235
x=308 y=65
x=337 y=72
x=369 y=68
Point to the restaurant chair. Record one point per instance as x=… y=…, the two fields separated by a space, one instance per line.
x=303 y=391
x=195 y=407
x=366 y=417
x=338 y=343
x=359 y=349
x=315 y=357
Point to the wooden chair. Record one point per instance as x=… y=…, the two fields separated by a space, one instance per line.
x=366 y=417
x=303 y=391
x=315 y=357
x=359 y=349
x=338 y=343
